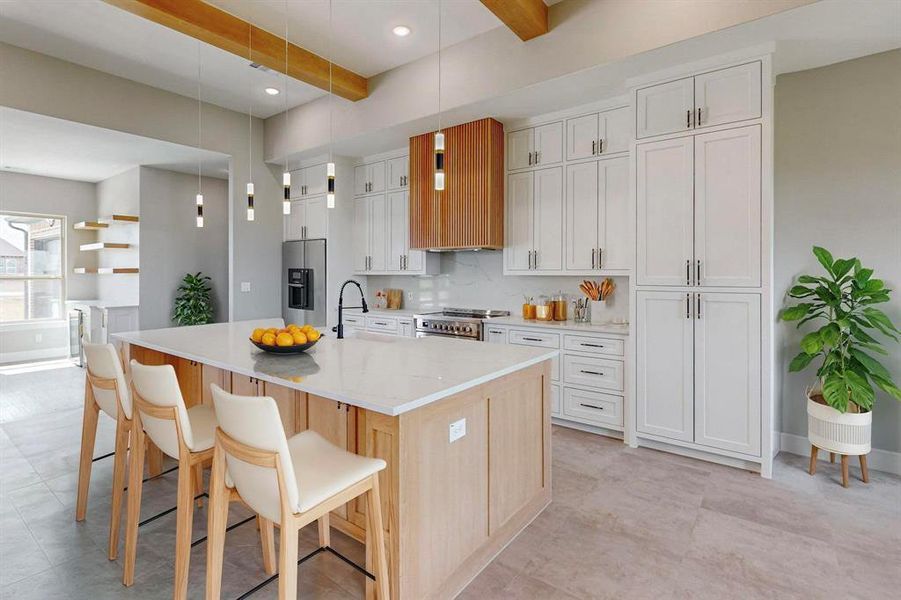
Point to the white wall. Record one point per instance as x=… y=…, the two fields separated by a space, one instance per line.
x=838 y=185
x=172 y=245
x=75 y=200
x=120 y=194
x=65 y=90
x=475 y=280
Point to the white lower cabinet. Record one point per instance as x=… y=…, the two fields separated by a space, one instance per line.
x=380 y=324
x=592 y=371
x=405 y=327
x=595 y=408
x=699 y=368
x=496 y=335
x=555 y=401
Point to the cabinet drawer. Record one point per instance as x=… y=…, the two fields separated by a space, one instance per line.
x=496 y=335
x=584 y=343
x=355 y=321
x=381 y=324
x=593 y=407
x=593 y=372
x=555 y=400
x=534 y=338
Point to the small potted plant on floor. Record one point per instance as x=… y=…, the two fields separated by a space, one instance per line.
x=849 y=328
x=194 y=303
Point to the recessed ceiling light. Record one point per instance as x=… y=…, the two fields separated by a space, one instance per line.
x=272 y=91
x=401 y=31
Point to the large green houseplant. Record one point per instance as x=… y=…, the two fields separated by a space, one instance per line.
x=847 y=330
x=194 y=303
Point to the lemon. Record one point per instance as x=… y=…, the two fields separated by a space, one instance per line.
x=299 y=337
x=257 y=334
x=268 y=339
x=284 y=339
x=313 y=335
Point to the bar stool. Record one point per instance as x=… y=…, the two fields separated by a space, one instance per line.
x=181 y=433
x=105 y=390
x=291 y=482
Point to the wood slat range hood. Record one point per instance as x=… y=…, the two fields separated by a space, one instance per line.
x=469 y=213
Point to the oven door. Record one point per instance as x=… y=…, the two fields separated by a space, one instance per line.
x=422 y=334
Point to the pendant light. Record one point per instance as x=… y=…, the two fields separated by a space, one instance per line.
x=439 y=135
x=250 y=214
x=330 y=167
x=199 y=198
x=286 y=176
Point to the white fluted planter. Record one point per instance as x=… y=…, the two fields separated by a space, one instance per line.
x=842 y=433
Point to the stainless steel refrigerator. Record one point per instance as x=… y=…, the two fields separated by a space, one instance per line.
x=303 y=282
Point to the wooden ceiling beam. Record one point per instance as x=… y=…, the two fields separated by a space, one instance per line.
x=219 y=28
x=527 y=18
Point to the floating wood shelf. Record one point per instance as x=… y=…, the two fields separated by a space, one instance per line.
x=90 y=225
x=122 y=218
x=103 y=246
x=106 y=270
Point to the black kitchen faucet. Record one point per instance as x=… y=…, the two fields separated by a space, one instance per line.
x=340 y=327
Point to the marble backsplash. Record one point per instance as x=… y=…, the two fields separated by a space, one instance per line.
x=476 y=280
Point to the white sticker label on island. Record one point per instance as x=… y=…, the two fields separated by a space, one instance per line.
x=457 y=430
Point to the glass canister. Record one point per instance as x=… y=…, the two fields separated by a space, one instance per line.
x=559 y=303
x=544 y=310
x=528 y=309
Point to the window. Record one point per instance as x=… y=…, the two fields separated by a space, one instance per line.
x=31 y=267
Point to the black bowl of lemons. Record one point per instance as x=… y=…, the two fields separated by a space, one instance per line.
x=291 y=339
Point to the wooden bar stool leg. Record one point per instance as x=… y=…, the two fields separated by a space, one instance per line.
x=135 y=485
x=198 y=483
x=844 y=470
x=267 y=541
x=123 y=428
x=377 y=539
x=216 y=524
x=287 y=561
x=154 y=459
x=813 y=459
x=183 y=523
x=864 y=471
x=88 y=436
x=832 y=457
x=325 y=532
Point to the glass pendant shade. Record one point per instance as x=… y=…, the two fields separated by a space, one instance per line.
x=286 y=201
x=330 y=174
x=439 y=161
x=199 y=202
x=250 y=201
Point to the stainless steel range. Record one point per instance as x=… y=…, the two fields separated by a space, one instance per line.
x=461 y=323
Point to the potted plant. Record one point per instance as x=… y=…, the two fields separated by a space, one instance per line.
x=841 y=305
x=194 y=303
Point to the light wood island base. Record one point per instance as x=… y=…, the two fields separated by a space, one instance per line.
x=448 y=507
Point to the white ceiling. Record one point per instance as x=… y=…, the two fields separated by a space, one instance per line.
x=41 y=145
x=100 y=36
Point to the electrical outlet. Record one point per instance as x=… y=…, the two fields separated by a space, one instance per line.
x=409 y=296
x=245 y=286
x=457 y=430
x=38 y=338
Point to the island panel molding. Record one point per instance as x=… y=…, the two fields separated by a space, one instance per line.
x=469 y=212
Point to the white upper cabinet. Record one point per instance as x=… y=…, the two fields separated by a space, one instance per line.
x=535 y=146
x=597 y=134
x=723 y=96
x=548 y=241
x=665 y=108
x=397 y=172
x=614 y=225
x=548 y=144
x=665 y=369
x=378 y=233
x=308 y=219
x=519 y=149
x=361 y=234
x=520 y=222
x=664 y=197
x=369 y=178
x=294 y=222
x=582 y=216
x=397 y=229
x=728 y=95
x=315 y=181
x=382 y=237
x=727 y=389
x=727 y=242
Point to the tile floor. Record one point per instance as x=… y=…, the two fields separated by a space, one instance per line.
x=625 y=523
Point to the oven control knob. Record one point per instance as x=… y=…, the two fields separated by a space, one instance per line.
x=467 y=330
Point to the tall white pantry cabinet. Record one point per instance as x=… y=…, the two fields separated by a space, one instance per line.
x=701 y=300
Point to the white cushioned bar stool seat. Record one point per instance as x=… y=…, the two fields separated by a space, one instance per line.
x=292 y=482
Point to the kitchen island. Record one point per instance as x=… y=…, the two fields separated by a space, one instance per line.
x=464 y=427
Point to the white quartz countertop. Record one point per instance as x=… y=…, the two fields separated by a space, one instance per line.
x=606 y=328
x=400 y=313
x=389 y=375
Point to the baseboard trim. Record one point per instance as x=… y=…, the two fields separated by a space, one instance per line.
x=34 y=355
x=879 y=460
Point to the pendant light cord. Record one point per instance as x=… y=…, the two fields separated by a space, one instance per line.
x=250 y=105
x=439 y=65
x=286 y=79
x=199 y=121
x=331 y=96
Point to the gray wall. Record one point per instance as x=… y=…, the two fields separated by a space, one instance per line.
x=119 y=195
x=61 y=89
x=172 y=245
x=74 y=200
x=838 y=185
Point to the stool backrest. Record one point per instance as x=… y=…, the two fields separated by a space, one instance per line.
x=254 y=423
x=107 y=379
x=156 y=387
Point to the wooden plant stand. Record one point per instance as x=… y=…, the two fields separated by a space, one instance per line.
x=864 y=471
